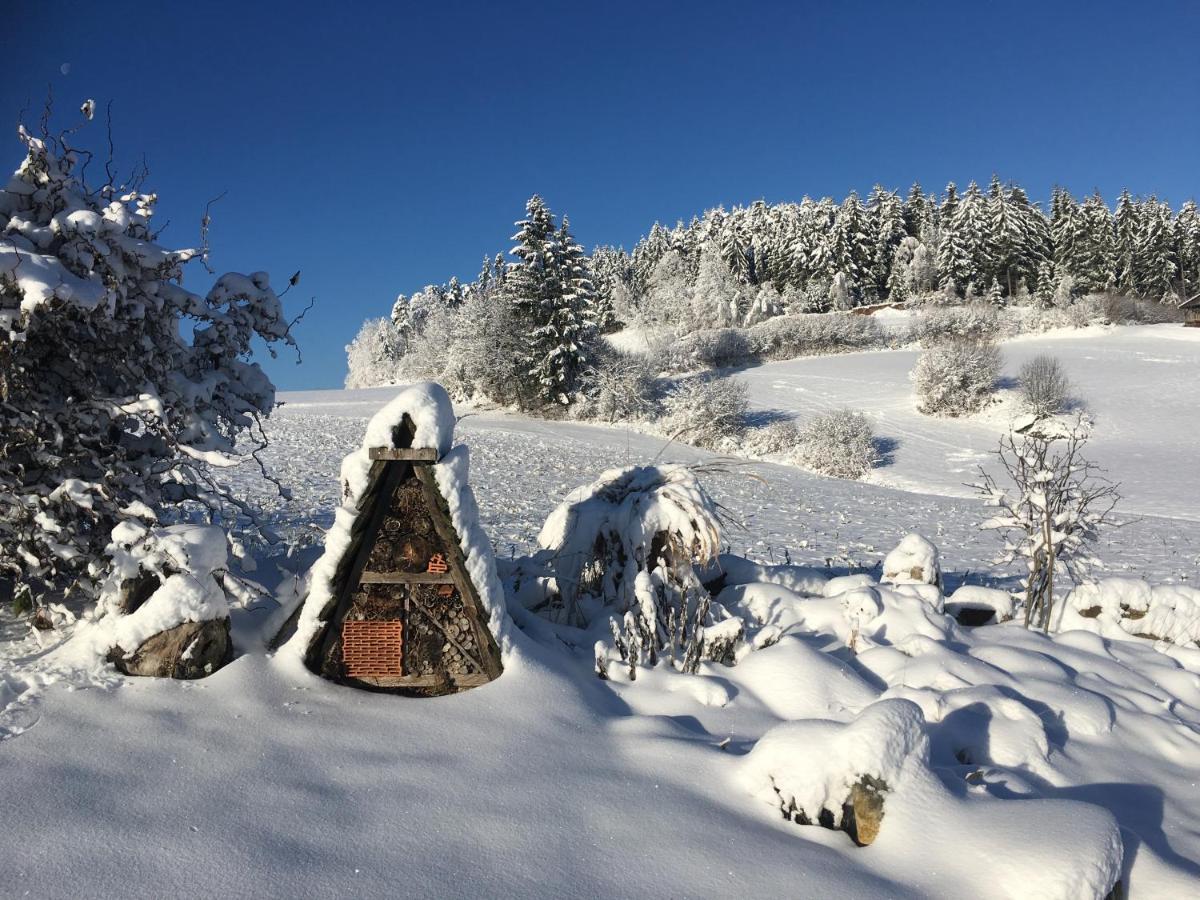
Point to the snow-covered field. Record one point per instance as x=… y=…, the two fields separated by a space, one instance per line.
x=265 y=780
x=1137 y=383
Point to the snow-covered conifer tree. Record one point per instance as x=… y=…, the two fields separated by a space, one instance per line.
x=552 y=292
x=119 y=388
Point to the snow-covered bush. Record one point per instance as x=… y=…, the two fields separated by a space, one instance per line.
x=1121 y=309
x=840 y=443
x=373 y=357
x=625 y=546
x=777 y=437
x=621 y=387
x=1045 y=388
x=710 y=348
x=785 y=337
x=119 y=388
x=707 y=411
x=956 y=376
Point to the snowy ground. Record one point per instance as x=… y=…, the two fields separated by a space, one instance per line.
x=1137 y=383
x=266 y=780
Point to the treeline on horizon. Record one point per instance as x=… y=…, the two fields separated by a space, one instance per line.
x=821 y=255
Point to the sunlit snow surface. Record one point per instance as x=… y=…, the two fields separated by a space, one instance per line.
x=264 y=780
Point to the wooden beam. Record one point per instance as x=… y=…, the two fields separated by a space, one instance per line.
x=406 y=578
x=424 y=681
x=404 y=454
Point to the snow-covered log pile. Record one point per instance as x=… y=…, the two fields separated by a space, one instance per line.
x=119 y=388
x=419 y=419
x=163 y=608
x=1129 y=607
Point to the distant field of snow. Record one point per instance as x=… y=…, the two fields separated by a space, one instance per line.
x=1139 y=384
x=266 y=780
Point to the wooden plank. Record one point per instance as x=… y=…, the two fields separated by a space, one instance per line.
x=404 y=454
x=406 y=578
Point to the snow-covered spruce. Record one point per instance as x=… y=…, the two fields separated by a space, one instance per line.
x=119 y=388
x=428 y=407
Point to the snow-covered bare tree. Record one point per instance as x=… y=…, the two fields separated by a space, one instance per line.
x=120 y=389
x=1051 y=504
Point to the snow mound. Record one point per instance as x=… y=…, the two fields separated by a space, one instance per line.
x=186 y=560
x=733 y=570
x=914 y=561
x=1124 y=608
x=872 y=777
x=807 y=768
x=977 y=598
x=428 y=407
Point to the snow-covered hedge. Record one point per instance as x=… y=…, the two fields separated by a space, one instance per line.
x=786 y=337
x=118 y=386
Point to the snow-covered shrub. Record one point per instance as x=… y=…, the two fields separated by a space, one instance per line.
x=626 y=545
x=707 y=411
x=786 y=337
x=119 y=388
x=956 y=376
x=1045 y=388
x=710 y=348
x=840 y=443
x=1121 y=309
x=621 y=387
x=778 y=437
x=373 y=357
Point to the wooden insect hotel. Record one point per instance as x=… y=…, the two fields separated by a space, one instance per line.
x=395 y=608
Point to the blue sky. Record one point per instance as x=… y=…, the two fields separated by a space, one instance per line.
x=380 y=147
